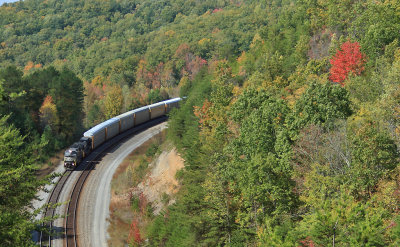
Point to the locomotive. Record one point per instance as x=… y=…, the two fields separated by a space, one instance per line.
x=77 y=152
x=106 y=130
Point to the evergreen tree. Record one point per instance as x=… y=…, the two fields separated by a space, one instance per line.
x=18 y=184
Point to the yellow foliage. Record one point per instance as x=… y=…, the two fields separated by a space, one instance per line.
x=113 y=102
x=300 y=91
x=397 y=55
x=256 y=40
x=237 y=91
x=204 y=41
x=183 y=82
x=98 y=81
x=280 y=82
x=48 y=113
x=242 y=57
x=170 y=33
x=316 y=185
x=388 y=192
x=365 y=114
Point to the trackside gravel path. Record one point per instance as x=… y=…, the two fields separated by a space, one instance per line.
x=93 y=209
x=95 y=196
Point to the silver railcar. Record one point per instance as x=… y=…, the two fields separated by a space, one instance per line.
x=157 y=110
x=114 y=126
x=142 y=115
x=127 y=120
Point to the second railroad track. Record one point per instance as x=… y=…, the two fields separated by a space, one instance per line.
x=89 y=163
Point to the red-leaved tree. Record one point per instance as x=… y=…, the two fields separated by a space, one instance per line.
x=307 y=242
x=348 y=59
x=134 y=237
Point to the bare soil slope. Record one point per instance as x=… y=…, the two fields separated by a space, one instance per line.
x=161 y=179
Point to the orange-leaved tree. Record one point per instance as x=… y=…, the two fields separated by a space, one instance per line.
x=348 y=59
x=48 y=113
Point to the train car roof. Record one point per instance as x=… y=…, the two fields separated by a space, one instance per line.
x=132 y=111
x=100 y=126
x=173 y=100
x=141 y=109
x=157 y=104
x=126 y=114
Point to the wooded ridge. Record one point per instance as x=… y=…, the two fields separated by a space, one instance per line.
x=290 y=128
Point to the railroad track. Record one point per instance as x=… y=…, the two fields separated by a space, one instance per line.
x=70 y=225
x=87 y=165
x=45 y=239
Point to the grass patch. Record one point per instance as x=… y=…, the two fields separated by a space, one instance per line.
x=152 y=150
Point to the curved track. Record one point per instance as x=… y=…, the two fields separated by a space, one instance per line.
x=70 y=229
x=85 y=168
x=45 y=239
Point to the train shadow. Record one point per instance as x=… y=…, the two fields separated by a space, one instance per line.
x=43 y=238
x=57 y=232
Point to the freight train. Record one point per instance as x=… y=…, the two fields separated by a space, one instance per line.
x=104 y=131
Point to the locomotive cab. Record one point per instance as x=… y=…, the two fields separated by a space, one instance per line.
x=73 y=156
x=70 y=159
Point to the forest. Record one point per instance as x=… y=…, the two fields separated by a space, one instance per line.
x=290 y=128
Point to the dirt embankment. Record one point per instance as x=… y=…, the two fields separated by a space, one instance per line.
x=143 y=186
x=160 y=184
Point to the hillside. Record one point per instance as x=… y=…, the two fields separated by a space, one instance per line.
x=143 y=47
x=290 y=128
x=295 y=141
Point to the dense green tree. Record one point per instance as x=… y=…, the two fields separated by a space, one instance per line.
x=18 y=184
x=25 y=97
x=67 y=92
x=374 y=154
x=342 y=220
x=275 y=154
x=321 y=104
x=261 y=169
x=17 y=107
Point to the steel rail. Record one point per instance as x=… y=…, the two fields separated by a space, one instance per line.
x=70 y=221
x=49 y=213
x=88 y=163
x=70 y=224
